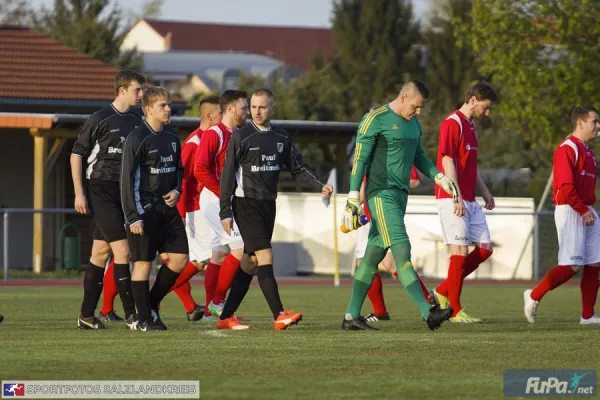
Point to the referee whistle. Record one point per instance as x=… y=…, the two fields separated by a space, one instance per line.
x=362 y=220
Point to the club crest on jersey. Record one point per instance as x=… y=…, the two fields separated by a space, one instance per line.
x=280 y=147
x=174 y=145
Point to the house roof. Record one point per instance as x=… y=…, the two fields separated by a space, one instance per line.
x=37 y=67
x=291 y=45
x=212 y=66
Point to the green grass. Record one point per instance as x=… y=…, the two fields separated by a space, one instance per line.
x=313 y=360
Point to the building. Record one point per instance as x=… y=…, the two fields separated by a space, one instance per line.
x=189 y=73
x=290 y=45
x=40 y=77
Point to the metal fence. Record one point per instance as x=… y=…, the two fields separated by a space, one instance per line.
x=6 y=213
x=543 y=235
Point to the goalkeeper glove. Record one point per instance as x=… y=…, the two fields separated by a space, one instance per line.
x=447 y=185
x=352 y=213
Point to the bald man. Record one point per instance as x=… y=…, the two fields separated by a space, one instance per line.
x=389 y=142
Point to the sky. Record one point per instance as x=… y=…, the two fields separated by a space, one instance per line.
x=315 y=13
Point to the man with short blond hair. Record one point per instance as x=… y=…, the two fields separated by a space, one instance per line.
x=151 y=177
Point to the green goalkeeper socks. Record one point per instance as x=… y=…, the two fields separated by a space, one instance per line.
x=363 y=279
x=408 y=277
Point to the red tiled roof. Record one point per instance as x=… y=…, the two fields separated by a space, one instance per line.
x=36 y=67
x=293 y=46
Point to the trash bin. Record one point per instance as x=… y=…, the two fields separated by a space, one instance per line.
x=70 y=248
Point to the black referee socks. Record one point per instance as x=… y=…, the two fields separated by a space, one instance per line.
x=269 y=287
x=165 y=278
x=92 y=289
x=239 y=287
x=141 y=295
x=123 y=281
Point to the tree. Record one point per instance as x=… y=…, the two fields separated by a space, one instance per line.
x=544 y=56
x=94 y=28
x=14 y=12
x=450 y=65
x=377 y=50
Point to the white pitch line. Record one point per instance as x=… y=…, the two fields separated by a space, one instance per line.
x=215 y=333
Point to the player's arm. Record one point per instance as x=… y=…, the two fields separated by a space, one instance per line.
x=174 y=194
x=362 y=194
x=205 y=159
x=187 y=160
x=490 y=203
x=565 y=171
x=82 y=147
x=424 y=164
x=366 y=138
x=132 y=152
x=230 y=166
x=300 y=171
x=415 y=179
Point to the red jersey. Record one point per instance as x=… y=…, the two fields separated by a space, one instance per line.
x=414 y=176
x=458 y=140
x=210 y=156
x=574 y=175
x=191 y=188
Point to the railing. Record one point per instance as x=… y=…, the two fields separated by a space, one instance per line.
x=5 y=227
x=535 y=232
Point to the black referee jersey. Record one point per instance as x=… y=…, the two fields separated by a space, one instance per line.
x=253 y=163
x=101 y=141
x=151 y=168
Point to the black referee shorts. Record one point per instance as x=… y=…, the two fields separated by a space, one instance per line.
x=256 y=221
x=164 y=232
x=104 y=200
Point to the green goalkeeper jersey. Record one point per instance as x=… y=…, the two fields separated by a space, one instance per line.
x=387 y=146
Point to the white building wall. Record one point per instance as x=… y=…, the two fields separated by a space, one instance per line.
x=144 y=38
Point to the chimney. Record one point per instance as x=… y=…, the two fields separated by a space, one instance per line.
x=168 y=41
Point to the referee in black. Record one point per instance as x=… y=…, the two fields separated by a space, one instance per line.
x=260 y=150
x=151 y=177
x=100 y=143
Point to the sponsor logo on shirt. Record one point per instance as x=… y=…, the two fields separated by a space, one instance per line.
x=266 y=164
x=115 y=150
x=114 y=130
x=469 y=147
x=153 y=151
x=254 y=148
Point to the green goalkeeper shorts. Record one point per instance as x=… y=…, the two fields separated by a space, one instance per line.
x=387 y=209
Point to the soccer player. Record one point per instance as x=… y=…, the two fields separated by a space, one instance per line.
x=151 y=177
x=577 y=225
x=100 y=141
x=389 y=143
x=457 y=159
x=375 y=293
x=207 y=169
x=189 y=206
x=255 y=156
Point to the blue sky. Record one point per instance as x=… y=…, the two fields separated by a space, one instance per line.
x=273 y=12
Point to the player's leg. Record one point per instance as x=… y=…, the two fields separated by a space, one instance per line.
x=571 y=256
x=109 y=293
x=92 y=286
x=389 y=208
x=105 y=200
x=143 y=250
x=589 y=279
x=211 y=277
x=183 y=288
x=456 y=237
x=173 y=241
x=210 y=206
x=375 y=293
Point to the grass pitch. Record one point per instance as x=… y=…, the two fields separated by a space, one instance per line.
x=314 y=360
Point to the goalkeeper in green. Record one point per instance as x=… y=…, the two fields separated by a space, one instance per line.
x=388 y=144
